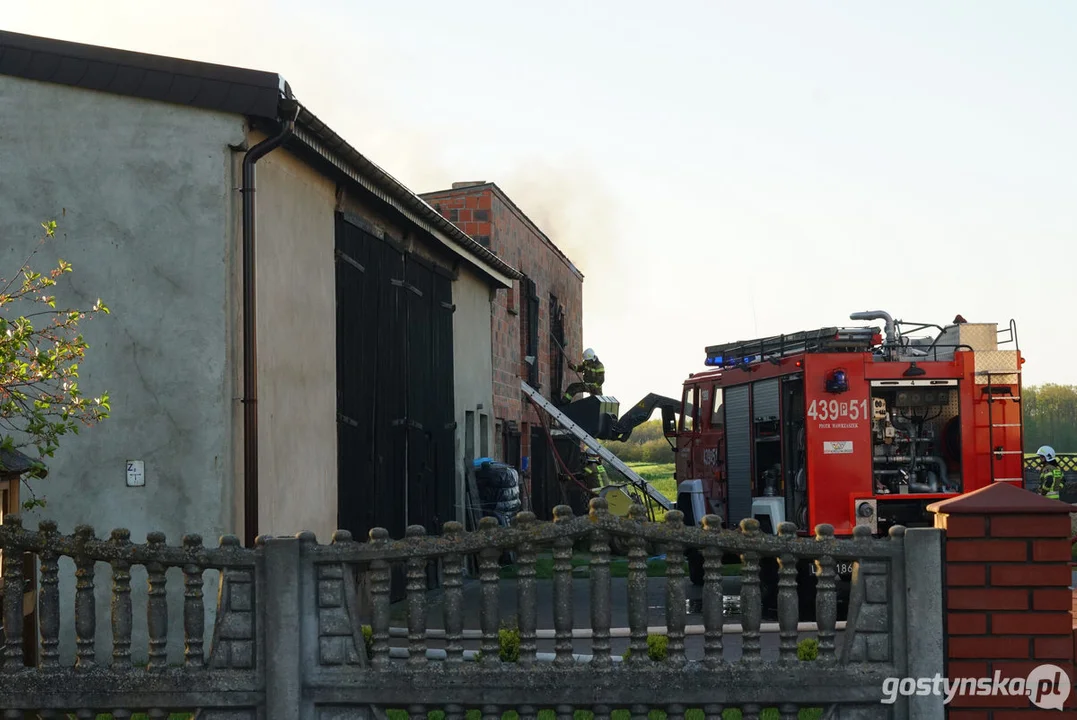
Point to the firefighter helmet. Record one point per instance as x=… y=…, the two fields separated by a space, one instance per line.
x=1047 y=453
x=588 y=354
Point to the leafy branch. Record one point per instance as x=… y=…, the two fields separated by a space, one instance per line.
x=40 y=354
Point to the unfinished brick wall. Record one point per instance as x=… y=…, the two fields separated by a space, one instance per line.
x=486 y=213
x=1006 y=592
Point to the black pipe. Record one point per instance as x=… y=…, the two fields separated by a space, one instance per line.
x=288 y=111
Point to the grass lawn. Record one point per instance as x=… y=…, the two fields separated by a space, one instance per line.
x=695 y=714
x=659 y=475
x=137 y=716
x=581 y=567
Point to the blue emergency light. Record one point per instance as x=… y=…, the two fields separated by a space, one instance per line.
x=837 y=382
x=728 y=362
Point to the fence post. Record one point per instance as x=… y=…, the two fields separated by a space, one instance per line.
x=282 y=628
x=1007 y=583
x=923 y=616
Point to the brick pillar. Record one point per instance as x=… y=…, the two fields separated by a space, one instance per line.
x=1006 y=582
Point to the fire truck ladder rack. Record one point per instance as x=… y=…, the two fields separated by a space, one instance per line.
x=590 y=442
x=830 y=339
x=997 y=394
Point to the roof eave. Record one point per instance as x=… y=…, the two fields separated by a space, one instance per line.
x=319 y=138
x=151 y=77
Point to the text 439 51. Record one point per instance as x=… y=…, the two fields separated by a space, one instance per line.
x=838 y=410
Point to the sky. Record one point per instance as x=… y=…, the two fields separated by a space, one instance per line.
x=718 y=170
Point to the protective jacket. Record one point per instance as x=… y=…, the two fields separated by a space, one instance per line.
x=1051 y=481
x=592 y=371
x=594 y=475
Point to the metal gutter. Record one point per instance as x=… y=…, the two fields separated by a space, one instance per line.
x=287 y=110
x=317 y=136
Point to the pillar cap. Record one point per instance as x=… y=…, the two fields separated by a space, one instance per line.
x=1001 y=498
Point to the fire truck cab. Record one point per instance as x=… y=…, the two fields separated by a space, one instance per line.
x=847 y=426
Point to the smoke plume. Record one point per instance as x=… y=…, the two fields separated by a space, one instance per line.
x=573 y=208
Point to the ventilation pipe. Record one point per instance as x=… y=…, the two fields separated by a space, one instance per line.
x=287 y=112
x=891 y=335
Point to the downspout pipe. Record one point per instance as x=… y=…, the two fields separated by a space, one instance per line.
x=288 y=111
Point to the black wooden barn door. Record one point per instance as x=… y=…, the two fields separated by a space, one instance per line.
x=395 y=390
x=420 y=391
x=357 y=272
x=391 y=440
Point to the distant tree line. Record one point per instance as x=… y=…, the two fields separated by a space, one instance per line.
x=1050 y=417
x=646 y=444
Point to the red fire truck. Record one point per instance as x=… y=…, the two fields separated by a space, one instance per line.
x=847 y=426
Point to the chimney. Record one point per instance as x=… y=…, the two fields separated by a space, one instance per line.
x=466 y=184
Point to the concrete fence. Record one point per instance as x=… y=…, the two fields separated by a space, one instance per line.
x=288 y=638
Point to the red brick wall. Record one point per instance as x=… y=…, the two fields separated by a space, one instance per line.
x=485 y=213
x=1006 y=593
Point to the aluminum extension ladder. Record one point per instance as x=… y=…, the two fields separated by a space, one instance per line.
x=590 y=442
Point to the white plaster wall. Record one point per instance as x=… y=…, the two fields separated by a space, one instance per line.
x=296 y=328
x=472 y=367
x=142 y=192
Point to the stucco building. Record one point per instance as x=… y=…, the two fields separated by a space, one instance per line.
x=540 y=317
x=313 y=359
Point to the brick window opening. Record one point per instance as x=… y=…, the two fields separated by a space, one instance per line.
x=556 y=347
x=529 y=335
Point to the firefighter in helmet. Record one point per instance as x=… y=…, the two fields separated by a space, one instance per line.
x=594 y=475
x=1051 y=478
x=592 y=373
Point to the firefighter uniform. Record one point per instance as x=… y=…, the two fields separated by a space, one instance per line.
x=594 y=475
x=593 y=375
x=1051 y=476
x=1051 y=481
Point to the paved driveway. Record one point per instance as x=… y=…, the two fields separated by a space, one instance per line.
x=656 y=602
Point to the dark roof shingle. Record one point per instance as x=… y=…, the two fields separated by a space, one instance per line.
x=122 y=72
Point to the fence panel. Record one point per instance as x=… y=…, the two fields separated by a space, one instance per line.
x=292 y=638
